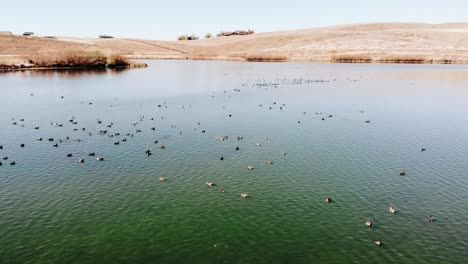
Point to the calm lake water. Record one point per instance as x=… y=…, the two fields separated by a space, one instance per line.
x=56 y=210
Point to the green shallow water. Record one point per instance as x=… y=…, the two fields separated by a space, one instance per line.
x=55 y=210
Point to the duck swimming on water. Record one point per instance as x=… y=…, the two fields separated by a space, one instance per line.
x=244 y=195
x=162 y=179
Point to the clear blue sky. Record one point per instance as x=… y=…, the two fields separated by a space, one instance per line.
x=169 y=18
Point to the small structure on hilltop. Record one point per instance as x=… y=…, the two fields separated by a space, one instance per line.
x=236 y=33
x=105 y=36
x=193 y=37
x=28 y=34
x=6 y=33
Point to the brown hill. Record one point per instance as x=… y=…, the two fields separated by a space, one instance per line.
x=375 y=42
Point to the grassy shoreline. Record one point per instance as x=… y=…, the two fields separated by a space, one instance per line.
x=86 y=60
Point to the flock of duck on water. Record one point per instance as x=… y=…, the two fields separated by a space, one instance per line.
x=148 y=152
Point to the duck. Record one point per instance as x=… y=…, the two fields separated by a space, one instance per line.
x=367 y=121
x=210 y=184
x=39 y=139
x=36 y=128
x=237 y=148
x=13 y=163
x=259 y=144
x=163 y=147
x=284 y=153
x=1 y=163
x=162 y=179
x=392 y=210
x=22 y=145
x=117 y=143
x=250 y=167
x=5 y=158
x=328 y=200
x=244 y=195
x=99 y=158
x=1 y=146
x=55 y=145
x=269 y=162
x=81 y=161
x=92 y=154
x=431 y=219
x=402 y=173
x=222 y=190
x=378 y=243
x=222 y=158
x=69 y=155
x=423 y=149
x=369 y=224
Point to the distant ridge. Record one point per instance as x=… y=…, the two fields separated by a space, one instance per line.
x=391 y=42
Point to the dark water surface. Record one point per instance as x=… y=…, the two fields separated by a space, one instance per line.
x=56 y=210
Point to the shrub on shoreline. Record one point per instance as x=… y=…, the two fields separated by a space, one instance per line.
x=79 y=59
x=351 y=58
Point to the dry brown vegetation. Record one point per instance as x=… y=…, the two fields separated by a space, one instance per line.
x=73 y=59
x=376 y=43
x=266 y=58
x=351 y=58
x=76 y=59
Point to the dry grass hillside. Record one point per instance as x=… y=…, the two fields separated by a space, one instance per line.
x=376 y=42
